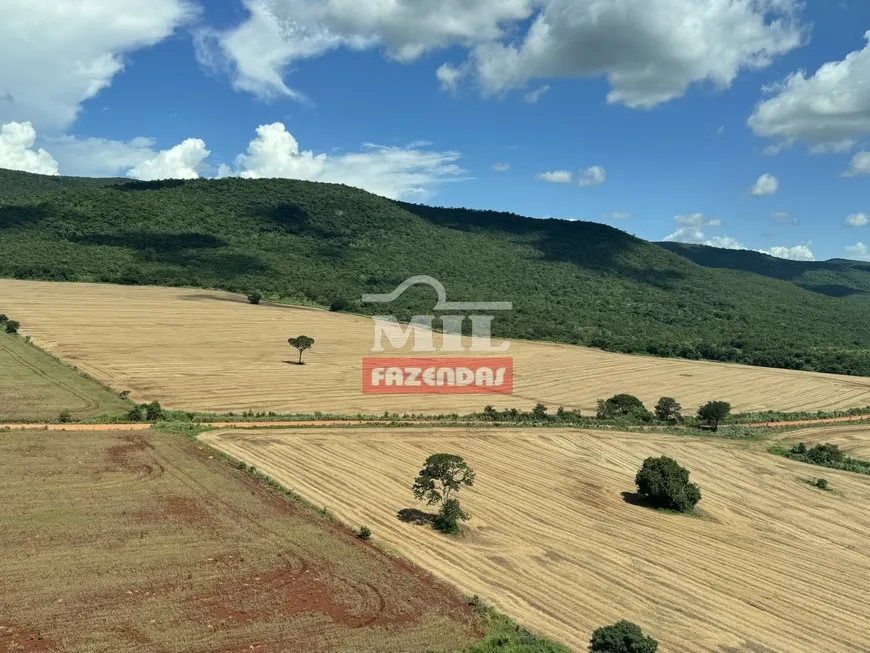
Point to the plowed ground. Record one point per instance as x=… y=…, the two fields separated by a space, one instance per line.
x=145 y=542
x=770 y=565
x=200 y=350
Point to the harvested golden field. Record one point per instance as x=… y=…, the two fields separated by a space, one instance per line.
x=770 y=565
x=202 y=350
x=35 y=386
x=145 y=542
x=854 y=440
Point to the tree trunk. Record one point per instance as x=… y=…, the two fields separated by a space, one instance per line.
x=300 y=357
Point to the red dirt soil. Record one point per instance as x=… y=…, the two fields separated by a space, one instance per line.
x=22 y=639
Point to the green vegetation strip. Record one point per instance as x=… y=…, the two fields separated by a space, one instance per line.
x=824 y=455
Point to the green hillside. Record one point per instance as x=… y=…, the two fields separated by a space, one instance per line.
x=837 y=277
x=574 y=282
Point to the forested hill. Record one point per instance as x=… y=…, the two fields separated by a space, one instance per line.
x=574 y=282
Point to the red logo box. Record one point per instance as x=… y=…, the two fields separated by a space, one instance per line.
x=400 y=375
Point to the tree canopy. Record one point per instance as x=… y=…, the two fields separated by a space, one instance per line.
x=302 y=344
x=665 y=484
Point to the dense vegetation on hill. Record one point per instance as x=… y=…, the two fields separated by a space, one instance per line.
x=574 y=282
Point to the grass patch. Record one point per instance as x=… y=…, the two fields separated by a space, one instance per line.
x=38 y=387
x=503 y=635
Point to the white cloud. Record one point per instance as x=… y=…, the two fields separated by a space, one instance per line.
x=501 y=167
x=593 y=176
x=280 y=32
x=859 y=251
x=725 y=242
x=556 y=176
x=98 y=157
x=782 y=217
x=860 y=165
x=829 y=110
x=17 y=153
x=690 y=228
x=532 y=97
x=449 y=77
x=67 y=51
x=650 y=51
x=617 y=215
x=796 y=253
x=393 y=172
x=765 y=185
x=857 y=220
x=179 y=162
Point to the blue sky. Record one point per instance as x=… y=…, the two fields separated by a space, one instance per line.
x=670 y=110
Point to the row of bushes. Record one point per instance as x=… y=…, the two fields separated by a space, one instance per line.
x=824 y=455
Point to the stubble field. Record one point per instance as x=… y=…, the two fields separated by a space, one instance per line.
x=770 y=565
x=145 y=542
x=211 y=351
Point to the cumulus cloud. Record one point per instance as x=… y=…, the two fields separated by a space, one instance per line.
x=859 y=251
x=690 y=228
x=593 y=176
x=393 y=172
x=650 y=51
x=501 y=167
x=179 y=162
x=860 y=165
x=98 y=157
x=67 y=51
x=17 y=153
x=532 y=97
x=796 y=253
x=857 y=220
x=617 y=215
x=556 y=176
x=765 y=185
x=829 y=110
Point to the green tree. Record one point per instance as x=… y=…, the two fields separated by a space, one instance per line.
x=539 y=412
x=668 y=410
x=713 y=412
x=302 y=343
x=665 y=484
x=3 y=318
x=153 y=411
x=441 y=476
x=12 y=326
x=621 y=405
x=622 y=637
x=254 y=297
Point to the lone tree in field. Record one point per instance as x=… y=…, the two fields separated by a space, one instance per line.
x=713 y=412
x=12 y=326
x=664 y=484
x=441 y=476
x=254 y=297
x=668 y=410
x=622 y=637
x=302 y=343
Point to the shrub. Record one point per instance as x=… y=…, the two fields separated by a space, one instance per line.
x=255 y=297
x=821 y=483
x=12 y=326
x=364 y=533
x=448 y=518
x=340 y=304
x=3 y=318
x=665 y=484
x=135 y=414
x=620 y=405
x=825 y=454
x=622 y=637
x=65 y=417
x=539 y=412
x=153 y=412
x=713 y=412
x=668 y=410
x=124 y=394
